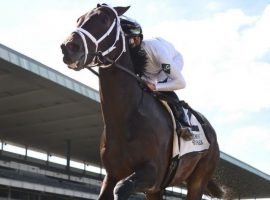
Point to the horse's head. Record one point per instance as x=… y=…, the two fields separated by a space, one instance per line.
x=98 y=32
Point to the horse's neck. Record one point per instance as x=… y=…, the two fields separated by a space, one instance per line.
x=119 y=91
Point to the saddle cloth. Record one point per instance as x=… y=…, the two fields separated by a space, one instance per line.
x=199 y=141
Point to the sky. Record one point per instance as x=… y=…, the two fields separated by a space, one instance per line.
x=225 y=45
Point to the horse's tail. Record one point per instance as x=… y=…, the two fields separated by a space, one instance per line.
x=214 y=190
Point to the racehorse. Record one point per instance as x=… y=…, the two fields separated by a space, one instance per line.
x=136 y=144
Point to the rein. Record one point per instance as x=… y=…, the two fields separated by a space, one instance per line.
x=142 y=84
x=100 y=57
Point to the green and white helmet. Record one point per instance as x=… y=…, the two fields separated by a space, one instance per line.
x=130 y=27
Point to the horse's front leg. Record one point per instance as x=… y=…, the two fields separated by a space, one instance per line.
x=140 y=181
x=106 y=192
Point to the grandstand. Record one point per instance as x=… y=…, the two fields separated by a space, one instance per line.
x=54 y=124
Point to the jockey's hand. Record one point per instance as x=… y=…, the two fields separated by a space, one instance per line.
x=151 y=86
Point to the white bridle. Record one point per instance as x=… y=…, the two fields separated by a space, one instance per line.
x=82 y=32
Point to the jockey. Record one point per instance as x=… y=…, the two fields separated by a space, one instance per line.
x=163 y=69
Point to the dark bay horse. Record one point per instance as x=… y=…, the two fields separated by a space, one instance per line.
x=136 y=144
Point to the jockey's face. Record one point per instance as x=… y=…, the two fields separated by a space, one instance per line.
x=134 y=41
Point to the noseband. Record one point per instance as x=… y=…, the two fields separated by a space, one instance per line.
x=96 y=59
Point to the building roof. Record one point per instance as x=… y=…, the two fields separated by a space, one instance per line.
x=43 y=109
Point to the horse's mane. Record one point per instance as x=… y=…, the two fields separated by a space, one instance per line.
x=139 y=60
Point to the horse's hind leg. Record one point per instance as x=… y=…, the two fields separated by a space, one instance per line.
x=106 y=192
x=198 y=180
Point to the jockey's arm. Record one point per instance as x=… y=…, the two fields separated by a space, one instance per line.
x=175 y=80
x=175 y=83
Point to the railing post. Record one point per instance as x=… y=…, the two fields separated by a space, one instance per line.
x=68 y=156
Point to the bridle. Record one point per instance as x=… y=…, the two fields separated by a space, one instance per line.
x=98 y=54
x=100 y=59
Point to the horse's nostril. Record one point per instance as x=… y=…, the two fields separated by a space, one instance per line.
x=72 y=47
x=64 y=49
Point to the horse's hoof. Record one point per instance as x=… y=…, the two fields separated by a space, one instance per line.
x=123 y=190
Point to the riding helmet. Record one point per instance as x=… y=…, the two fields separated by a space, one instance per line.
x=130 y=27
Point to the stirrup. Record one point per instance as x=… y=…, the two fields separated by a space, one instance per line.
x=183 y=132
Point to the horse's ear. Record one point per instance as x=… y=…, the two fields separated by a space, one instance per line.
x=121 y=10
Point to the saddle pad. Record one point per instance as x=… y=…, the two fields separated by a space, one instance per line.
x=197 y=144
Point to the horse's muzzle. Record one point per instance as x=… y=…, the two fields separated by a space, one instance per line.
x=69 y=50
x=66 y=58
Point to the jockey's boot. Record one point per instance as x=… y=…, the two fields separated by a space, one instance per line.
x=182 y=125
x=185 y=132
